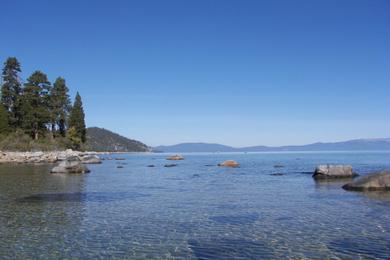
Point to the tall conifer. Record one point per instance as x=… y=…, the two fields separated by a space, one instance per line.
x=11 y=90
x=35 y=101
x=77 y=118
x=60 y=104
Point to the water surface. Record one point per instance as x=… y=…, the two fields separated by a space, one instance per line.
x=195 y=210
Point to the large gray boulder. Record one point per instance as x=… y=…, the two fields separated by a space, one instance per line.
x=371 y=182
x=333 y=171
x=91 y=159
x=71 y=165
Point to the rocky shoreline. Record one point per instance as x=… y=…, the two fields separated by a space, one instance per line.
x=42 y=157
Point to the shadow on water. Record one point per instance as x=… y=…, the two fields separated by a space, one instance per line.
x=366 y=247
x=242 y=219
x=230 y=249
x=331 y=183
x=375 y=195
x=81 y=197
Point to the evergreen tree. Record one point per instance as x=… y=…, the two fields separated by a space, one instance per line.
x=74 y=138
x=4 y=126
x=35 y=104
x=11 y=90
x=76 y=118
x=60 y=105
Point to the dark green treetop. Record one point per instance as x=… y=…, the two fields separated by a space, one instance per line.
x=11 y=90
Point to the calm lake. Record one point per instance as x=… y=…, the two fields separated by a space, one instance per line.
x=195 y=210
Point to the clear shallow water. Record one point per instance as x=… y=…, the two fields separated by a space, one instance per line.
x=194 y=211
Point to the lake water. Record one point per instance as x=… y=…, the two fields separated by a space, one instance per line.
x=194 y=210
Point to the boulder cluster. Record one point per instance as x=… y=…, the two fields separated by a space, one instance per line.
x=378 y=181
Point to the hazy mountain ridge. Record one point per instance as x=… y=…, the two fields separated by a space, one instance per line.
x=353 y=145
x=103 y=140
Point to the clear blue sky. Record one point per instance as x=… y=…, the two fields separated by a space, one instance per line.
x=233 y=72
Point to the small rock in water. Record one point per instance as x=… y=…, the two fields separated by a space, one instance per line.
x=372 y=182
x=170 y=165
x=151 y=165
x=119 y=166
x=90 y=159
x=229 y=163
x=333 y=171
x=71 y=165
x=277 y=174
x=175 y=157
x=278 y=166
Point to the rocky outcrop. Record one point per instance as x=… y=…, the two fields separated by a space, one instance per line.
x=41 y=157
x=229 y=163
x=175 y=157
x=70 y=165
x=333 y=171
x=91 y=159
x=372 y=182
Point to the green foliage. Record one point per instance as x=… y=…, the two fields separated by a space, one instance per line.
x=74 y=138
x=77 y=118
x=20 y=141
x=100 y=139
x=60 y=105
x=35 y=104
x=4 y=124
x=11 y=90
x=36 y=115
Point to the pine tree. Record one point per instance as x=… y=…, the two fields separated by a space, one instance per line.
x=60 y=105
x=4 y=126
x=11 y=90
x=77 y=118
x=35 y=104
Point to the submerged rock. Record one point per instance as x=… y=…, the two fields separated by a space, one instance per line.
x=71 y=165
x=333 y=171
x=151 y=165
x=175 y=157
x=371 y=182
x=170 y=165
x=277 y=174
x=278 y=166
x=91 y=159
x=229 y=163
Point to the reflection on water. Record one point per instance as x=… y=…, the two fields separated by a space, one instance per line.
x=194 y=211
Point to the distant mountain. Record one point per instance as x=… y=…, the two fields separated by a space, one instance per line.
x=351 y=145
x=102 y=140
x=195 y=147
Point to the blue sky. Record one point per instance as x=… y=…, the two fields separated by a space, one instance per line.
x=233 y=72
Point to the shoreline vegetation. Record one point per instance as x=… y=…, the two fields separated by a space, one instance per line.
x=37 y=117
x=36 y=114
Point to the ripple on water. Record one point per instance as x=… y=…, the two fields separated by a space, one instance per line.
x=363 y=246
x=241 y=219
x=230 y=249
